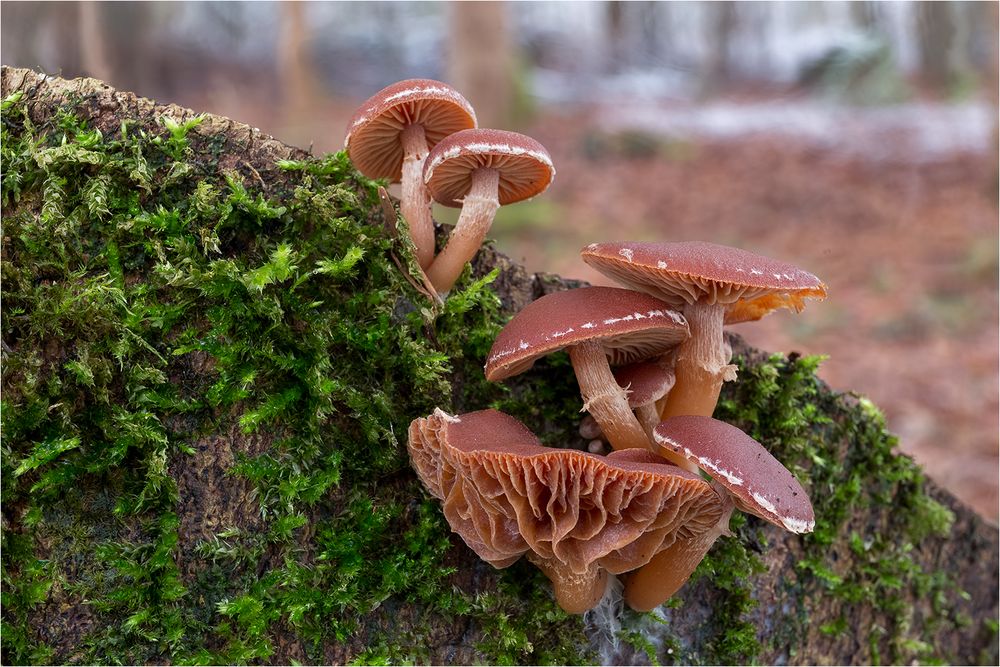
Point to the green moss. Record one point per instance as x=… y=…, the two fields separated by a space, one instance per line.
x=128 y=259
x=152 y=302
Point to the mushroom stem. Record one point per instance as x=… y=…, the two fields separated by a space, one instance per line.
x=575 y=593
x=656 y=581
x=415 y=203
x=604 y=399
x=478 y=210
x=649 y=418
x=702 y=363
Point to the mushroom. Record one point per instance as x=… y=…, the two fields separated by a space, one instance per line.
x=575 y=515
x=646 y=382
x=390 y=136
x=480 y=170
x=712 y=285
x=593 y=324
x=744 y=474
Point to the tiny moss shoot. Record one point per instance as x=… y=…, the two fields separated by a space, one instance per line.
x=157 y=308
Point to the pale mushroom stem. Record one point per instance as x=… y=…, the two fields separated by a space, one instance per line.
x=604 y=399
x=478 y=210
x=649 y=418
x=575 y=593
x=415 y=203
x=702 y=364
x=656 y=581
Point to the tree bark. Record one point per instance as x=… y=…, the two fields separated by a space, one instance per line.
x=210 y=499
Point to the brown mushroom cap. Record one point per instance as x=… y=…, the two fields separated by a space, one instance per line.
x=646 y=381
x=750 y=285
x=525 y=166
x=373 y=142
x=759 y=482
x=629 y=325
x=574 y=514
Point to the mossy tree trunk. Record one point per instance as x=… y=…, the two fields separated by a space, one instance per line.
x=211 y=347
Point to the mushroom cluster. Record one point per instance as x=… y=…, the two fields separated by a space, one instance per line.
x=649 y=358
x=423 y=134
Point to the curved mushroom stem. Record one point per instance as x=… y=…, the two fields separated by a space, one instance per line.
x=478 y=210
x=604 y=399
x=656 y=581
x=575 y=593
x=650 y=418
x=415 y=204
x=702 y=364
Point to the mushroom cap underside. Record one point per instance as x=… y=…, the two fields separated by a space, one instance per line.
x=525 y=167
x=759 y=482
x=373 y=139
x=507 y=495
x=749 y=285
x=630 y=326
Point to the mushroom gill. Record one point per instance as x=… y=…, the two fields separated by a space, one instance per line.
x=575 y=515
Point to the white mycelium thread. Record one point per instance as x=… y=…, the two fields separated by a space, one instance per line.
x=661 y=265
x=413 y=92
x=495 y=149
x=626 y=253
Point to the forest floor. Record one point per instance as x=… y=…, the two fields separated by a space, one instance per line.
x=906 y=240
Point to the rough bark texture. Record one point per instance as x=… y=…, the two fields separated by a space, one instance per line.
x=210 y=499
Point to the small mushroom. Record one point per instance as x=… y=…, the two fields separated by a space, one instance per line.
x=646 y=382
x=744 y=474
x=576 y=516
x=593 y=324
x=390 y=136
x=712 y=285
x=480 y=170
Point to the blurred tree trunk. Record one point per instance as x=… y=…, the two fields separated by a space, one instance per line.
x=936 y=25
x=863 y=13
x=615 y=34
x=481 y=59
x=296 y=73
x=93 y=56
x=720 y=26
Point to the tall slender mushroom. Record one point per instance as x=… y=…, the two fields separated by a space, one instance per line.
x=593 y=324
x=480 y=170
x=744 y=474
x=390 y=136
x=712 y=285
x=576 y=516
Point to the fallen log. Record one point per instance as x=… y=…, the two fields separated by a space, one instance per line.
x=212 y=346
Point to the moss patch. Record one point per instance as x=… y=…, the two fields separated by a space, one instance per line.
x=168 y=325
